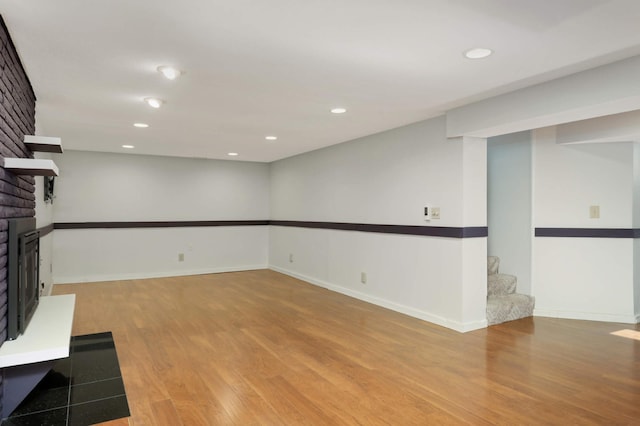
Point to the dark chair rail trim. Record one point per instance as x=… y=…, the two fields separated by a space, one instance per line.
x=588 y=232
x=160 y=224
x=45 y=230
x=431 y=231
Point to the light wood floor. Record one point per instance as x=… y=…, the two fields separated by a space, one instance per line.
x=262 y=348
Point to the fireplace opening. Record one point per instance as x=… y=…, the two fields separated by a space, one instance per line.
x=23 y=274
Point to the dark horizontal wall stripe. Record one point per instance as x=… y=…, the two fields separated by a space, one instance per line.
x=588 y=232
x=45 y=230
x=431 y=231
x=159 y=224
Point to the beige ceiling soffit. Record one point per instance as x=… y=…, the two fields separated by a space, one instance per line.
x=605 y=90
x=622 y=127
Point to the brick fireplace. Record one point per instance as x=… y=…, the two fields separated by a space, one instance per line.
x=17 y=118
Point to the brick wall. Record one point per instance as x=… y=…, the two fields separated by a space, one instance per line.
x=17 y=118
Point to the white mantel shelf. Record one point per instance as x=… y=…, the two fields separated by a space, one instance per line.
x=31 y=166
x=43 y=144
x=47 y=336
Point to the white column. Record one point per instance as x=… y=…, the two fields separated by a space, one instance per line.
x=473 y=251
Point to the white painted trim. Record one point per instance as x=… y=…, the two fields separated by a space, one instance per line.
x=47 y=335
x=588 y=316
x=31 y=166
x=425 y=316
x=43 y=144
x=140 y=276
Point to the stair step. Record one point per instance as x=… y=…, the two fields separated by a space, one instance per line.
x=493 y=262
x=501 y=284
x=509 y=307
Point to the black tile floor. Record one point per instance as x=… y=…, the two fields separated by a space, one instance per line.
x=81 y=390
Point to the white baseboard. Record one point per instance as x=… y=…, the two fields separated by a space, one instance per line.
x=589 y=316
x=145 y=275
x=412 y=312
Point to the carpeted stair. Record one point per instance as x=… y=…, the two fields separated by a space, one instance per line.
x=503 y=303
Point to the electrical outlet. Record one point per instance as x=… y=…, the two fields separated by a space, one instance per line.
x=290 y=257
x=363 y=277
x=180 y=257
x=594 y=212
x=435 y=212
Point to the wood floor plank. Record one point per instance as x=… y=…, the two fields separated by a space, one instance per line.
x=262 y=348
x=165 y=413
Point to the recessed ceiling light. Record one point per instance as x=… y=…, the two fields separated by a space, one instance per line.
x=128 y=146
x=169 y=72
x=339 y=110
x=232 y=154
x=478 y=53
x=154 y=102
x=271 y=138
x=141 y=125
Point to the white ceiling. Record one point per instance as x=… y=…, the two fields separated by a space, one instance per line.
x=276 y=67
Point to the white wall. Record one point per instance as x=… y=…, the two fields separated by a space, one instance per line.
x=118 y=187
x=384 y=178
x=570 y=178
x=509 y=205
x=117 y=254
x=44 y=217
x=583 y=278
x=387 y=179
x=100 y=187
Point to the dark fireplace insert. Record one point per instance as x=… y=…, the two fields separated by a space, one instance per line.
x=23 y=274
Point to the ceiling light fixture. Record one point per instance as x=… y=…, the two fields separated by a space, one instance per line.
x=128 y=146
x=232 y=154
x=339 y=110
x=271 y=138
x=478 y=53
x=169 y=72
x=141 y=125
x=154 y=102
